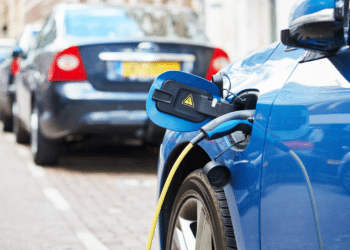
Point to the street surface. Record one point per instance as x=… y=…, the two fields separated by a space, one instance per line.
x=94 y=199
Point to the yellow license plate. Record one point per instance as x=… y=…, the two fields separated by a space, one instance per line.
x=148 y=69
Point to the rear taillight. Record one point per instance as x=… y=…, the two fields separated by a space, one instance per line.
x=15 y=68
x=219 y=60
x=67 y=66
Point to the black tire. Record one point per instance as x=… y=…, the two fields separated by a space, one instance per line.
x=44 y=151
x=7 y=122
x=21 y=135
x=214 y=230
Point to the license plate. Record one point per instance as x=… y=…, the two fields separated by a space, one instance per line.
x=144 y=69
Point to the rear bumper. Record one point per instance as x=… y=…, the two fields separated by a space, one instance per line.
x=78 y=108
x=116 y=118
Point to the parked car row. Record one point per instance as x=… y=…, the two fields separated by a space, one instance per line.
x=10 y=67
x=89 y=72
x=6 y=48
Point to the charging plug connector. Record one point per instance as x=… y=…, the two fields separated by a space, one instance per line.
x=226 y=128
x=227 y=124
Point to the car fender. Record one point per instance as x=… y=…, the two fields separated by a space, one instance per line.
x=175 y=142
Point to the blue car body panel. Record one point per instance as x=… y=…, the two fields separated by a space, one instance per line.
x=320 y=137
x=290 y=185
x=266 y=71
x=304 y=106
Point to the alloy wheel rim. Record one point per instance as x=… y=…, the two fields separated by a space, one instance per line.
x=193 y=229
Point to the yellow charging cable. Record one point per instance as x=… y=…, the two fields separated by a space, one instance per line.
x=241 y=115
x=164 y=191
x=176 y=166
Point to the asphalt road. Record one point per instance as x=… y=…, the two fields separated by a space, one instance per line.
x=95 y=198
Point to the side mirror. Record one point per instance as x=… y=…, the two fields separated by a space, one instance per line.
x=319 y=25
x=184 y=102
x=17 y=52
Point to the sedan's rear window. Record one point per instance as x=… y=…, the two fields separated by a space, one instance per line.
x=131 y=23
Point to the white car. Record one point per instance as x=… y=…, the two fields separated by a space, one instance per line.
x=6 y=45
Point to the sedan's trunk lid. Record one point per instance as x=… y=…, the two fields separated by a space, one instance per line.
x=132 y=66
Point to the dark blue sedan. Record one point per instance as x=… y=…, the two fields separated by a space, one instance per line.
x=92 y=68
x=269 y=166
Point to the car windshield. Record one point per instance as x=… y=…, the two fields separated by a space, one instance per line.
x=132 y=23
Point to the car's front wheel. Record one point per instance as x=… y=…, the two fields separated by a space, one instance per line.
x=21 y=135
x=200 y=217
x=7 y=122
x=44 y=151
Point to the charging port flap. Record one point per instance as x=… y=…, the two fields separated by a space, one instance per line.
x=184 y=102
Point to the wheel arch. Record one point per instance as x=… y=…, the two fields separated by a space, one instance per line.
x=195 y=159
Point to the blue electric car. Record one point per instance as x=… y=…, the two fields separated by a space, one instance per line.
x=279 y=176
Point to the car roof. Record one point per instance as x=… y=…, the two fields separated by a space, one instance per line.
x=33 y=26
x=144 y=6
x=59 y=13
x=7 y=42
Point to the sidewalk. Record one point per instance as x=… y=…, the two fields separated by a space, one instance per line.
x=28 y=220
x=65 y=208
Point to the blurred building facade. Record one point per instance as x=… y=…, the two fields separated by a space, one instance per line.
x=241 y=27
x=11 y=17
x=238 y=26
x=15 y=13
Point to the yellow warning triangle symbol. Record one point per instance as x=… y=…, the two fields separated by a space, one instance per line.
x=188 y=101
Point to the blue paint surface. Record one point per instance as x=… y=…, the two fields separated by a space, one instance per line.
x=307 y=7
x=303 y=108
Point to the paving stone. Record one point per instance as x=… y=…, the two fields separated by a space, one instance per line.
x=28 y=219
x=112 y=195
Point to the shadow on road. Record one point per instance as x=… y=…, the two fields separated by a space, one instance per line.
x=111 y=160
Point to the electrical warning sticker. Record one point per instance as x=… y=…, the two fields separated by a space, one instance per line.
x=188 y=101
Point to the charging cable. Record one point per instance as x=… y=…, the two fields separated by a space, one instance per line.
x=167 y=183
x=275 y=142
x=298 y=161
x=217 y=128
x=312 y=197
